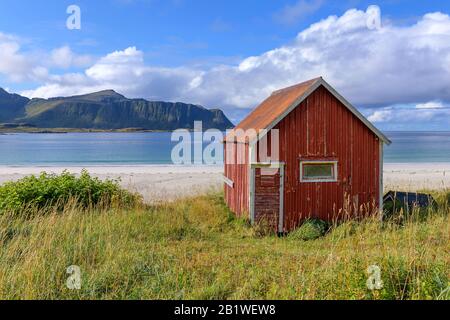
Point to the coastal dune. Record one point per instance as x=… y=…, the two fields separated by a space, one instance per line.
x=169 y=182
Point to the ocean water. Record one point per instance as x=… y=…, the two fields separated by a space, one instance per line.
x=155 y=148
x=413 y=147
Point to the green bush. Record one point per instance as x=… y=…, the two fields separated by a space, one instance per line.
x=311 y=229
x=51 y=190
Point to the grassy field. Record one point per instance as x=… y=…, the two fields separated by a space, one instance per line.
x=196 y=249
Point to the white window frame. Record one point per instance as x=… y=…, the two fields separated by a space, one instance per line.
x=306 y=162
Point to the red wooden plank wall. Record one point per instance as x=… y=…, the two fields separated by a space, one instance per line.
x=322 y=128
x=237 y=197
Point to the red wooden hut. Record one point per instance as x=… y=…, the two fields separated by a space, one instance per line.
x=329 y=155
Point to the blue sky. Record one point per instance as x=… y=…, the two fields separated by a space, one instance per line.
x=231 y=54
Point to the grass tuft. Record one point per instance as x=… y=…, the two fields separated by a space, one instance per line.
x=311 y=229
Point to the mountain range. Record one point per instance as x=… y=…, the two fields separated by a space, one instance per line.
x=105 y=110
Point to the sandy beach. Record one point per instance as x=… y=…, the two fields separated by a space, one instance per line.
x=416 y=176
x=165 y=182
x=154 y=182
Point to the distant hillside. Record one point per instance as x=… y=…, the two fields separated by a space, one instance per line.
x=106 y=110
x=12 y=106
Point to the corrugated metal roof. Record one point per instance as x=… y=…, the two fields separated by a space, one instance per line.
x=281 y=103
x=270 y=109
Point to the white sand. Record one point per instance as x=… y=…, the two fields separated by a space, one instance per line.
x=416 y=176
x=154 y=182
x=165 y=182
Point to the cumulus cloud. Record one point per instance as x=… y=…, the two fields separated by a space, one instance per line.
x=385 y=66
x=18 y=65
x=65 y=58
x=12 y=63
x=421 y=112
x=396 y=73
x=383 y=115
x=126 y=72
x=429 y=115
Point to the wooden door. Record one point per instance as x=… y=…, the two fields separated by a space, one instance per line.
x=268 y=197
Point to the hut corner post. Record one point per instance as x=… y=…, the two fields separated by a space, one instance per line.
x=381 y=179
x=251 y=182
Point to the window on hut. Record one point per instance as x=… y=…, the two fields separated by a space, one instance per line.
x=318 y=171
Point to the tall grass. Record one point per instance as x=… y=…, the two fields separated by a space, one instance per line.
x=196 y=249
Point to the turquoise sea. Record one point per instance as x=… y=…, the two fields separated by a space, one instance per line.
x=155 y=148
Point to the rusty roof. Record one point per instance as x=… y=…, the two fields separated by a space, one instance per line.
x=280 y=104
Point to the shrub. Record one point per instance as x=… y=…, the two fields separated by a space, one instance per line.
x=311 y=229
x=51 y=190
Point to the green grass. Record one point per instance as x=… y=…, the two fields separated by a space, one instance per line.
x=196 y=249
x=311 y=229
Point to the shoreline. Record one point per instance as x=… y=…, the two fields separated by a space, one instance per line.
x=390 y=165
x=407 y=167
x=110 y=168
x=162 y=182
x=32 y=130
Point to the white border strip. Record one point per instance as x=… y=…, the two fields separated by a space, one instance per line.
x=281 y=213
x=228 y=182
x=381 y=182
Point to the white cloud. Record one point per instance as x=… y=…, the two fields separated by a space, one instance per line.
x=65 y=58
x=125 y=72
x=381 y=115
x=12 y=63
x=430 y=105
x=432 y=114
x=392 y=65
x=19 y=65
